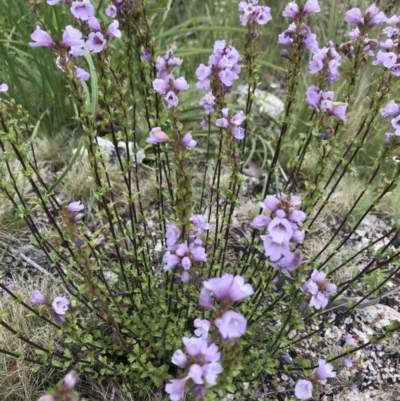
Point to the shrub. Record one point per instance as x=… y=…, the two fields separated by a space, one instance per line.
x=141 y=272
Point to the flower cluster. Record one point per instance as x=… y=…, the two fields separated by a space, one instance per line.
x=72 y=37
x=254 y=14
x=201 y=364
x=319 y=288
x=59 y=305
x=208 y=102
x=166 y=83
x=223 y=66
x=181 y=254
x=231 y=123
x=323 y=103
x=326 y=59
x=308 y=39
x=304 y=388
x=64 y=392
x=283 y=228
x=156 y=135
x=227 y=289
x=392 y=109
x=292 y=10
x=372 y=18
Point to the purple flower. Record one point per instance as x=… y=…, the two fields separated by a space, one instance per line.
x=54 y=2
x=96 y=42
x=47 y=397
x=72 y=37
x=387 y=59
x=291 y=10
x=60 y=305
x=113 y=31
x=313 y=97
x=329 y=58
x=93 y=24
x=71 y=379
x=325 y=370
x=229 y=287
x=289 y=261
x=260 y=222
x=75 y=207
x=3 y=88
x=202 y=328
x=198 y=221
x=303 y=390
x=10 y=286
x=349 y=340
x=311 y=6
x=348 y=361
x=274 y=250
x=111 y=11
x=231 y=325
x=156 y=135
x=171 y=99
x=391 y=109
x=172 y=235
x=76 y=51
x=319 y=301
x=354 y=16
x=82 y=10
x=179 y=359
x=280 y=230
x=81 y=74
x=188 y=140
x=176 y=389
x=41 y=38
x=373 y=16
x=208 y=101
x=38 y=297
x=205 y=299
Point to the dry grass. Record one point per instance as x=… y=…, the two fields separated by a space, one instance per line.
x=18 y=381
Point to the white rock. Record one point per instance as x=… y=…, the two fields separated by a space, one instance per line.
x=264 y=102
x=110 y=153
x=381 y=315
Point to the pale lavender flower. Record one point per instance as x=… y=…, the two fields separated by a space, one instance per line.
x=179 y=359
x=348 y=361
x=3 y=88
x=205 y=299
x=354 y=16
x=208 y=102
x=75 y=207
x=60 y=305
x=188 y=140
x=76 y=51
x=41 y=38
x=71 y=379
x=349 y=340
x=291 y=10
x=303 y=390
x=198 y=221
x=94 y=24
x=388 y=59
x=325 y=370
x=82 y=10
x=111 y=11
x=146 y=56
x=172 y=235
x=59 y=319
x=38 y=297
x=231 y=325
x=391 y=109
x=72 y=37
x=54 y=2
x=113 y=31
x=96 y=42
x=274 y=250
x=313 y=97
x=311 y=6
x=260 y=222
x=326 y=57
x=47 y=397
x=156 y=135
x=289 y=261
x=202 y=328
x=176 y=389
x=81 y=74
x=280 y=230
x=10 y=286
x=319 y=301
x=171 y=99
x=228 y=287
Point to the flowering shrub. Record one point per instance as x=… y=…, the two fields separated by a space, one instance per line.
x=179 y=278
